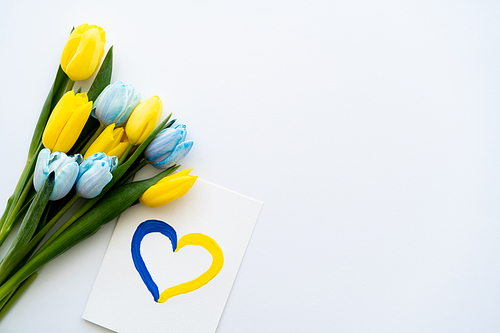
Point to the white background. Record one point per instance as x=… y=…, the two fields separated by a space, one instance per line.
x=369 y=129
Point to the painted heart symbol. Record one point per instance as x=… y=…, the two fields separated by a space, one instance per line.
x=198 y=239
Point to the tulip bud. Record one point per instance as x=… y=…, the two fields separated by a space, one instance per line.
x=95 y=173
x=143 y=120
x=168 y=147
x=112 y=141
x=66 y=122
x=115 y=104
x=83 y=52
x=168 y=189
x=65 y=168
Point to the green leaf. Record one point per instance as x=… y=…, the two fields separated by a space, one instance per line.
x=23 y=209
x=28 y=227
x=59 y=86
x=170 y=123
x=45 y=216
x=19 y=198
x=53 y=97
x=103 y=77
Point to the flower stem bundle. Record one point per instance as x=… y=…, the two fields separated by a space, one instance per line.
x=85 y=148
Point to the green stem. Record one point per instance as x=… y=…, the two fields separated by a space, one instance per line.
x=39 y=235
x=16 y=264
x=71 y=83
x=125 y=154
x=21 y=184
x=6 y=299
x=16 y=293
x=7 y=227
x=23 y=209
x=6 y=211
x=92 y=139
x=25 y=257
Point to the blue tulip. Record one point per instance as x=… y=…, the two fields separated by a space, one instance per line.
x=66 y=171
x=168 y=147
x=115 y=104
x=95 y=173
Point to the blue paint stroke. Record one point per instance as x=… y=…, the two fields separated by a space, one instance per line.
x=147 y=227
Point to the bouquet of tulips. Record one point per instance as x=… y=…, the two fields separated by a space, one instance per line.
x=87 y=145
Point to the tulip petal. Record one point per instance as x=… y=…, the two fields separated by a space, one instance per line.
x=91 y=183
x=185 y=172
x=115 y=104
x=70 y=49
x=82 y=28
x=133 y=99
x=62 y=112
x=101 y=102
x=88 y=162
x=110 y=102
x=118 y=150
x=65 y=168
x=94 y=174
x=73 y=128
x=179 y=153
x=163 y=143
x=143 y=120
x=151 y=122
x=164 y=192
x=41 y=168
x=87 y=57
x=102 y=143
x=183 y=129
x=64 y=181
x=66 y=122
x=118 y=137
x=113 y=162
x=83 y=52
x=58 y=160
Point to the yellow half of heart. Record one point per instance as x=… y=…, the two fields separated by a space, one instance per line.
x=217 y=261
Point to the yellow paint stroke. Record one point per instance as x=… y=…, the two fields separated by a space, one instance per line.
x=217 y=261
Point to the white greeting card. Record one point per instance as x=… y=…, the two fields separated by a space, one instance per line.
x=171 y=269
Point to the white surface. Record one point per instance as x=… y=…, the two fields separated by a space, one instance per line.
x=368 y=128
x=120 y=300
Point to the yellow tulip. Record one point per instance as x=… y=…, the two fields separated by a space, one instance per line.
x=112 y=142
x=83 y=52
x=168 y=189
x=66 y=122
x=143 y=120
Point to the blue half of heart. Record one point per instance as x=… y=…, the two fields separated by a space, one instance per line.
x=142 y=230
